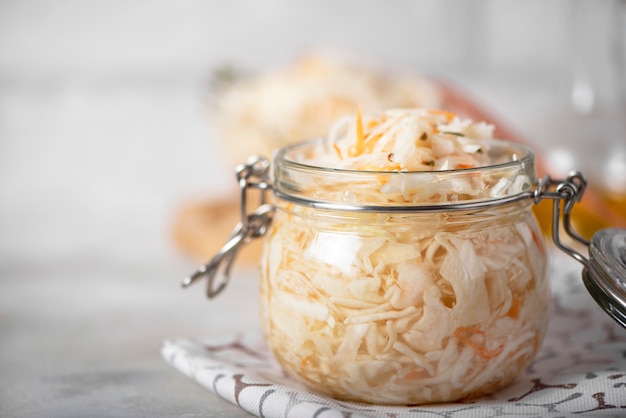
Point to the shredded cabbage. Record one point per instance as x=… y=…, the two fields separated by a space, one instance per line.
x=406 y=308
x=404 y=140
x=408 y=156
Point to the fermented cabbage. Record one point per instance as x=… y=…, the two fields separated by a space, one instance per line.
x=404 y=308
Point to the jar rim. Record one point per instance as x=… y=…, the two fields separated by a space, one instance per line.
x=281 y=155
x=304 y=183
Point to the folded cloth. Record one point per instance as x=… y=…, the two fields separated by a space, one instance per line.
x=580 y=370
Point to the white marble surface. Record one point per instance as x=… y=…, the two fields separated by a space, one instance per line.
x=104 y=133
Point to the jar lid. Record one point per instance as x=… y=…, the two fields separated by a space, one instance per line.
x=605 y=276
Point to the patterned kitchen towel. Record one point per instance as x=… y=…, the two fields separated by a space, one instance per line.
x=580 y=371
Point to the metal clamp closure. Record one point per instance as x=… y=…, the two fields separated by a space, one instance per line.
x=252 y=175
x=570 y=191
x=604 y=273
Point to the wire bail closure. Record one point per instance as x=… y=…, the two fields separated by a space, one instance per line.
x=604 y=272
x=571 y=192
x=252 y=175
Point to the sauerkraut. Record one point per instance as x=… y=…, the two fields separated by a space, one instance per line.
x=405 y=307
x=404 y=140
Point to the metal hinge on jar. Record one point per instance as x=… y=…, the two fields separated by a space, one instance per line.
x=604 y=272
x=254 y=175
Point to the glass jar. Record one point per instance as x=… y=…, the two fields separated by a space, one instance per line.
x=373 y=296
x=409 y=287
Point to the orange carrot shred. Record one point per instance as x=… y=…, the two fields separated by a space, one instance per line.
x=303 y=365
x=465 y=334
x=371 y=124
x=338 y=151
x=416 y=374
x=370 y=142
x=536 y=239
x=434 y=128
x=448 y=114
x=513 y=311
x=360 y=138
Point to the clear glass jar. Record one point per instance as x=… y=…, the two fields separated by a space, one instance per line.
x=404 y=287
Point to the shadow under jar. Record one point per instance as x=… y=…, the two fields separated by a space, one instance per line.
x=404 y=287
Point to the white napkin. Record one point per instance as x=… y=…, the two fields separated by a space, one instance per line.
x=580 y=371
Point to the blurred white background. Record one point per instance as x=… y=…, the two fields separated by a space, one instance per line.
x=104 y=127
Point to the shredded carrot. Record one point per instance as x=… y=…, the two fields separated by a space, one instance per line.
x=370 y=142
x=417 y=374
x=393 y=167
x=465 y=335
x=433 y=126
x=513 y=311
x=536 y=239
x=382 y=180
x=464 y=165
x=336 y=147
x=303 y=364
x=360 y=138
x=288 y=211
x=448 y=114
